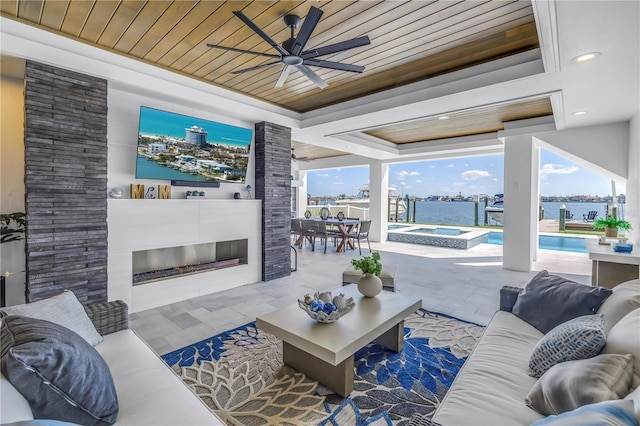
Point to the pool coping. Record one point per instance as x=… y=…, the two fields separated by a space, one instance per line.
x=471 y=238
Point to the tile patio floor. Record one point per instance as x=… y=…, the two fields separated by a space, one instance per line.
x=462 y=283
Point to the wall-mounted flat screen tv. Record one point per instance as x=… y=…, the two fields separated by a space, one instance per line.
x=178 y=147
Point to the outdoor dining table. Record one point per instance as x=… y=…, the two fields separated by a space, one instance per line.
x=345 y=227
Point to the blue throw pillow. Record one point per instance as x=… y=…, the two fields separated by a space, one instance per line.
x=61 y=375
x=579 y=338
x=549 y=300
x=608 y=413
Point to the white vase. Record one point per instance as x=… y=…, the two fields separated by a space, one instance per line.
x=370 y=285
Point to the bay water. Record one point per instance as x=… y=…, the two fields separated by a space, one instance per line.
x=462 y=212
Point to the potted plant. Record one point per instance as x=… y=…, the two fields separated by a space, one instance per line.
x=611 y=225
x=370 y=284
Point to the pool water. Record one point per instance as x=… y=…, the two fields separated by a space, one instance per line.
x=549 y=242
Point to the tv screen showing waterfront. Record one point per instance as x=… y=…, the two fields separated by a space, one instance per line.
x=178 y=147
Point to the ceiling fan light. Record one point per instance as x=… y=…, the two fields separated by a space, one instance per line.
x=586 y=57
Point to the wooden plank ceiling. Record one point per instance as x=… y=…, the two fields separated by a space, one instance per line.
x=410 y=41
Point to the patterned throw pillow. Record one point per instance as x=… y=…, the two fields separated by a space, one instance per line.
x=612 y=413
x=572 y=384
x=579 y=338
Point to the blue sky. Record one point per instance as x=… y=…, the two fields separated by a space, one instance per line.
x=469 y=176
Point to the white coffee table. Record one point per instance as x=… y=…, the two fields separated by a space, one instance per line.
x=325 y=352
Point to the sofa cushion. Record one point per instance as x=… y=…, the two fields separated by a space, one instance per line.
x=579 y=338
x=493 y=382
x=59 y=373
x=149 y=392
x=549 y=300
x=624 y=338
x=624 y=299
x=63 y=309
x=606 y=413
x=572 y=384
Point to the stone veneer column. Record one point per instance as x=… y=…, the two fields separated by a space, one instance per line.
x=273 y=187
x=65 y=183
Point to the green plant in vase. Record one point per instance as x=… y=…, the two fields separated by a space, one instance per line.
x=611 y=225
x=370 y=284
x=368 y=264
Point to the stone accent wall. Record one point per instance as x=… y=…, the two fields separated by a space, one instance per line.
x=65 y=183
x=273 y=187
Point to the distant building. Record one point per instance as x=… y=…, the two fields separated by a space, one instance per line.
x=154 y=148
x=196 y=135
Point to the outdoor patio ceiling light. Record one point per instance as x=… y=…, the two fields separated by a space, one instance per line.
x=585 y=57
x=580 y=113
x=443 y=117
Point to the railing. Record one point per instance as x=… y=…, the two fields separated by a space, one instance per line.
x=361 y=213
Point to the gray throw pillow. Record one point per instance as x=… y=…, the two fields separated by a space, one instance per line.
x=549 y=300
x=63 y=309
x=59 y=373
x=579 y=338
x=572 y=384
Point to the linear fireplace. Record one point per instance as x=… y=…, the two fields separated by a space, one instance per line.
x=170 y=262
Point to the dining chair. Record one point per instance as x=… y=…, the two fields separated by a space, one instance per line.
x=320 y=231
x=296 y=230
x=308 y=231
x=362 y=233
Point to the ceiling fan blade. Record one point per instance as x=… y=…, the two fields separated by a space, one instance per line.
x=309 y=24
x=334 y=48
x=261 y=33
x=283 y=75
x=258 y=67
x=233 y=49
x=334 y=65
x=315 y=78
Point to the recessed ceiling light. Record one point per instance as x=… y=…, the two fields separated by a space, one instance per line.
x=443 y=117
x=586 y=57
x=580 y=113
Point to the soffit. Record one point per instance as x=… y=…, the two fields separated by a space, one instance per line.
x=410 y=40
x=469 y=122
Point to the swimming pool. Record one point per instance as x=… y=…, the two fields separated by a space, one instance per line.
x=549 y=242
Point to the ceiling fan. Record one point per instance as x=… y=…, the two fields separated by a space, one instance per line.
x=292 y=53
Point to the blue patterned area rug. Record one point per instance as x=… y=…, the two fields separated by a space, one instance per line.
x=240 y=375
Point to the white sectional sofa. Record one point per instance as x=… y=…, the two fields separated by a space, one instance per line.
x=492 y=386
x=148 y=391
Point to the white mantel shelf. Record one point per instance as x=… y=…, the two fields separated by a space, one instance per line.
x=148 y=224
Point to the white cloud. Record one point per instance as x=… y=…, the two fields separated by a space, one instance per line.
x=432 y=166
x=450 y=166
x=419 y=181
x=403 y=174
x=323 y=175
x=459 y=184
x=475 y=174
x=557 y=169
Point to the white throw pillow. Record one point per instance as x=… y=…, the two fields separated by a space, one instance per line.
x=572 y=384
x=63 y=309
x=624 y=338
x=624 y=299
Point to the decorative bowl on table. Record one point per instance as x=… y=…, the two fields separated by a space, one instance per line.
x=324 y=308
x=622 y=247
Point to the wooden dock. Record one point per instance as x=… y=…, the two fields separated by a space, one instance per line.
x=553 y=225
